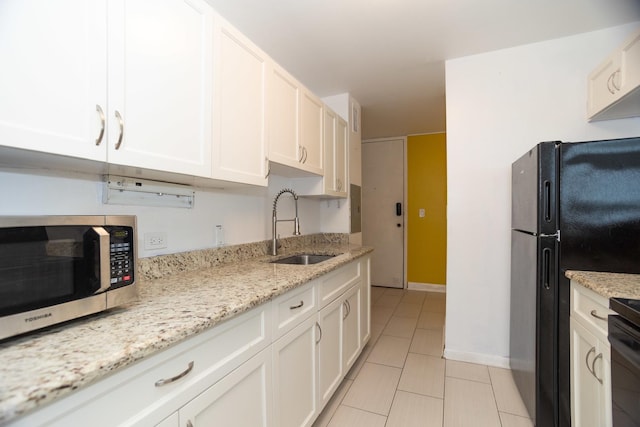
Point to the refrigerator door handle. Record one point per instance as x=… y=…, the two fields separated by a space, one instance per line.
x=547 y=201
x=546 y=273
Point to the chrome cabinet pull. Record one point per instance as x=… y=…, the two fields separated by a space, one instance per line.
x=182 y=374
x=293 y=307
x=586 y=359
x=266 y=159
x=301 y=154
x=319 y=333
x=121 y=125
x=103 y=121
x=594 y=313
x=346 y=311
x=305 y=154
x=593 y=367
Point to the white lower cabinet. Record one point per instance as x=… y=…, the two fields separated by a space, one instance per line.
x=295 y=385
x=590 y=359
x=275 y=365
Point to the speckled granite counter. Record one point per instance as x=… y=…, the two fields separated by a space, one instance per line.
x=180 y=295
x=608 y=285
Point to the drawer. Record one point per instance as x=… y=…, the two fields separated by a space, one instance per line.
x=133 y=390
x=590 y=310
x=332 y=285
x=290 y=309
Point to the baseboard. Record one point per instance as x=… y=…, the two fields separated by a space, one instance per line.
x=429 y=287
x=479 y=358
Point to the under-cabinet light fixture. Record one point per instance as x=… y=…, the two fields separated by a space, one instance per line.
x=120 y=190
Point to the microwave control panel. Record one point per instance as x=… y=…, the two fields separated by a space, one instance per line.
x=122 y=262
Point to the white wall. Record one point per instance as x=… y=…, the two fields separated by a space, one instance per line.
x=244 y=215
x=499 y=105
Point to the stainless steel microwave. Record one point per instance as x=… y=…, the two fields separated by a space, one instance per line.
x=58 y=268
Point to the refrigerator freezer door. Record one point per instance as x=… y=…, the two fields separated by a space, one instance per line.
x=600 y=205
x=533 y=190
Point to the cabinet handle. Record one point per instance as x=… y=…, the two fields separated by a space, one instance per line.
x=346 y=311
x=595 y=314
x=121 y=125
x=102 y=124
x=609 y=88
x=613 y=79
x=593 y=367
x=162 y=382
x=586 y=360
x=293 y=307
x=266 y=159
x=319 y=333
x=301 y=154
x=189 y=423
x=304 y=154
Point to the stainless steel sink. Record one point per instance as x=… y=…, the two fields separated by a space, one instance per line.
x=304 y=259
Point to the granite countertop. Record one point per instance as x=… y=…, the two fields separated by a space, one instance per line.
x=609 y=285
x=203 y=289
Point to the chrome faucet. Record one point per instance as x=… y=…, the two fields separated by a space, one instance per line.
x=275 y=220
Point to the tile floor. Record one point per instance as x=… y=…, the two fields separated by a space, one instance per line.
x=401 y=379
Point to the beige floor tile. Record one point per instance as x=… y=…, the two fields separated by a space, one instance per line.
x=400 y=327
x=376 y=331
x=413 y=410
x=427 y=341
x=376 y=292
x=423 y=375
x=373 y=389
x=414 y=297
x=430 y=320
x=468 y=371
x=436 y=295
x=509 y=420
x=333 y=404
x=395 y=292
x=388 y=301
x=434 y=305
x=507 y=395
x=407 y=309
x=390 y=351
x=469 y=404
x=346 y=416
x=380 y=314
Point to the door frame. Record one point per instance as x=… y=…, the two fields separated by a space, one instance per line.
x=404 y=200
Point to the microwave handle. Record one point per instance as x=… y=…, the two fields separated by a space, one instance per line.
x=105 y=258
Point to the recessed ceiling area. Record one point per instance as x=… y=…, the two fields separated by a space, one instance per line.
x=390 y=54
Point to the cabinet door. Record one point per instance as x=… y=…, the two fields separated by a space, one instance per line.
x=331 y=371
x=283 y=101
x=172 y=420
x=365 y=302
x=341 y=161
x=53 y=80
x=351 y=343
x=329 y=151
x=295 y=368
x=311 y=115
x=160 y=85
x=239 y=143
x=588 y=375
x=241 y=399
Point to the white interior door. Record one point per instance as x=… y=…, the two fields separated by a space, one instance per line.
x=382 y=226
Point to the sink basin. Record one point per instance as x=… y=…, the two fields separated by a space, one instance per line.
x=304 y=259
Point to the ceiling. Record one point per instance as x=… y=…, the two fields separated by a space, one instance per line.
x=389 y=54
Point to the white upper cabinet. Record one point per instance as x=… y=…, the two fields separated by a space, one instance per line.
x=239 y=136
x=614 y=86
x=295 y=124
x=311 y=138
x=160 y=85
x=53 y=79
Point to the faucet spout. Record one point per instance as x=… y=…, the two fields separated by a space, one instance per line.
x=275 y=220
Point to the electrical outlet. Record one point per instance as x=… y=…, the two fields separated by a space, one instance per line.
x=156 y=240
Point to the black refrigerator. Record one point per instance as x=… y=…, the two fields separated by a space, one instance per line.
x=575 y=206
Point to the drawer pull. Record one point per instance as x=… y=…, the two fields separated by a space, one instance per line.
x=162 y=382
x=293 y=307
x=595 y=314
x=319 y=333
x=593 y=367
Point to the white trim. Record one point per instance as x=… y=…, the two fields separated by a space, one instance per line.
x=428 y=287
x=479 y=358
